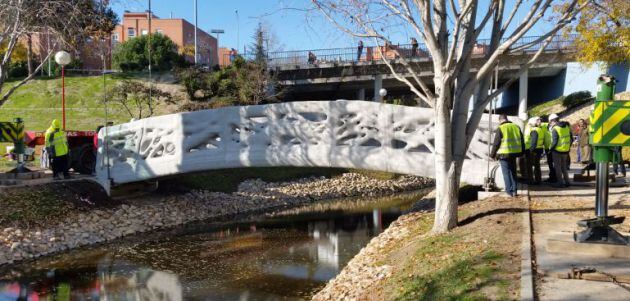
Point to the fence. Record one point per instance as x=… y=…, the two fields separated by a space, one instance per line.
x=300 y=58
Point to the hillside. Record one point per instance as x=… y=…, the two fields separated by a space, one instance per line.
x=39 y=101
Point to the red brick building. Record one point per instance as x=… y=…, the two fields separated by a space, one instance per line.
x=179 y=30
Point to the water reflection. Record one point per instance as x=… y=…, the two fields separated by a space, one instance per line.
x=287 y=258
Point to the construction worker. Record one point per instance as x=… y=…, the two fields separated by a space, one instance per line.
x=561 y=140
x=508 y=145
x=534 y=147
x=544 y=126
x=57 y=149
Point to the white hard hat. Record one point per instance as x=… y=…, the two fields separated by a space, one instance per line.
x=533 y=120
x=553 y=116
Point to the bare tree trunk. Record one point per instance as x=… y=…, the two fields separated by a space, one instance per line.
x=29 y=54
x=446 y=179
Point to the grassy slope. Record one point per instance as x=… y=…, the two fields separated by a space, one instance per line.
x=39 y=101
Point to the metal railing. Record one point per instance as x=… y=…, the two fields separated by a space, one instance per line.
x=315 y=57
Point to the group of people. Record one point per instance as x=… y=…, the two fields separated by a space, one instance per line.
x=552 y=139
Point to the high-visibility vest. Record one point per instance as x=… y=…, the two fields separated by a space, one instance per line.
x=546 y=135
x=564 y=138
x=528 y=138
x=56 y=142
x=511 y=139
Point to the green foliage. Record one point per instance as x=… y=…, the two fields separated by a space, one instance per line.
x=576 y=99
x=133 y=54
x=603 y=32
x=403 y=101
x=560 y=104
x=241 y=83
x=194 y=80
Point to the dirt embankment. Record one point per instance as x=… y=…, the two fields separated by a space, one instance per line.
x=480 y=259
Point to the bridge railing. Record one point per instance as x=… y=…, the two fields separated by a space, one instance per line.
x=314 y=57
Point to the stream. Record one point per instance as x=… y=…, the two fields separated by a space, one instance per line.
x=282 y=256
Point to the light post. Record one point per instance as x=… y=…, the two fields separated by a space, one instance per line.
x=63 y=58
x=238 y=45
x=196 y=55
x=382 y=92
x=217 y=32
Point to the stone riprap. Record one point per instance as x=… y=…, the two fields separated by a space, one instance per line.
x=345 y=134
x=106 y=224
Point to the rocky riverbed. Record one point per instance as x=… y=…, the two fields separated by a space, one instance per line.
x=105 y=224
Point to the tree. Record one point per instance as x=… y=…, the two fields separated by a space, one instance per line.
x=134 y=97
x=603 y=30
x=70 y=22
x=450 y=30
x=133 y=54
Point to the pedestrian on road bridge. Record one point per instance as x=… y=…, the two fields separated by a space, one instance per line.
x=508 y=145
x=534 y=147
x=359 y=50
x=561 y=140
x=414 y=47
x=57 y=148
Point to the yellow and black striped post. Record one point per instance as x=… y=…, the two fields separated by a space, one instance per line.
x=14 y=132
x=609 y=127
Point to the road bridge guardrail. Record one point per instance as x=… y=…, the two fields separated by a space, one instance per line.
x=300 y=58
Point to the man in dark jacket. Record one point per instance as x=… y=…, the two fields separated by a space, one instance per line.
x=508 y=145
x=561 y=140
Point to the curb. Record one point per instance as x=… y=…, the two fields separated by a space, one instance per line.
x=527 y=275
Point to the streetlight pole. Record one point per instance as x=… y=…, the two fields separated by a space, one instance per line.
x=238 y=45
x=217 y=32
x=196 y=53
x=63 y=58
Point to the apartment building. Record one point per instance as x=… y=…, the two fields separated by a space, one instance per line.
x=180 y=31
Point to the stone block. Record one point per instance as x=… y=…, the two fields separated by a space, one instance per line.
x=24 y=176
x=564 y=244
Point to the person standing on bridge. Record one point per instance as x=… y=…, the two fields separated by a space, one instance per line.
x=561 y=140
x=414 y=47
x=508 y=145
x=534 y=145
x=57 y=148
x=359 y=50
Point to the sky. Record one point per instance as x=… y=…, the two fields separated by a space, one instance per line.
x=289 y=21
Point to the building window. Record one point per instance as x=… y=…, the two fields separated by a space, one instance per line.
x=131 y=32
x=115 y=37
x=145 y=32
x=160 y=31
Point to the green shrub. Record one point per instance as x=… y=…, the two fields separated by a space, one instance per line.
x=194 y=80
x=576 y=99
x=133 y=54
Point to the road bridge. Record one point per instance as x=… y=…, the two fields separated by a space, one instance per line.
x=346 y=134
x=343 y=73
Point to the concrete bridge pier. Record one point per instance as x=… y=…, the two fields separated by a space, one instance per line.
x=361 y=94
x=378 y=85
x=522 y=96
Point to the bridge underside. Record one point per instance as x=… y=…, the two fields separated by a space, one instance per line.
x=346 y=134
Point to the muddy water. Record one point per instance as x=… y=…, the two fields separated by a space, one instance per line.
x=287 y=256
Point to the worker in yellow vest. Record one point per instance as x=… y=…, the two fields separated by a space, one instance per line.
x=534 y=147
x=544 y=126
x=508 y=145
x=561 y=140
x=57 y=149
